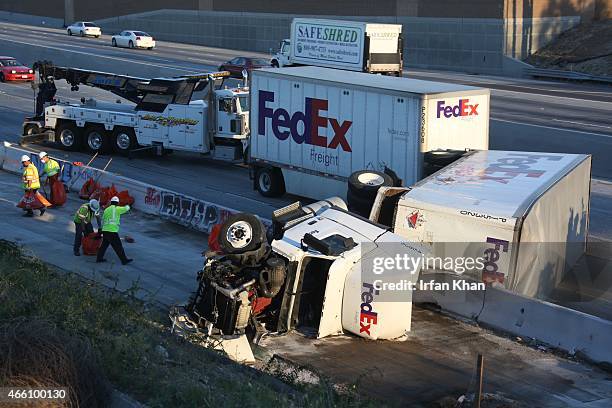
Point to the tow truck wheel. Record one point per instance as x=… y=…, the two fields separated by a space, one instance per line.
x=68 y=136
x=275 y=64
x=124 y=140
x=31 y=129
x=241 y=233
x=269 y=182
x=96 y=139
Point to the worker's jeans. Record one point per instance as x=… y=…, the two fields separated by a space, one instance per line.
x=112 y=239
x=81 y=229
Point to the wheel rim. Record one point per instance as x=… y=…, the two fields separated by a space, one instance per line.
x=265 y=181
x=123 y=141
x=239 y=234
x=67 y=137
x=371 y=179
x=95 y=140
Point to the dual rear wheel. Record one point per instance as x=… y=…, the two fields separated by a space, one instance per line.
x=95 y=138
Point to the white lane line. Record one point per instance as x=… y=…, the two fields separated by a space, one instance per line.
x=560 y=98
x=102 y=56
x=581 y=123
x=552 y=128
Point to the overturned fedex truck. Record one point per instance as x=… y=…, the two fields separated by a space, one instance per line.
x=312 y=127
x=340 y=44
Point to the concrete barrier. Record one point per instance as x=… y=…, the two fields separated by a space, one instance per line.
x=185 y=210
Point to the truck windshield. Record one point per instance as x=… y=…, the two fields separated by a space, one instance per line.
x=244 y=103
x=284 y=47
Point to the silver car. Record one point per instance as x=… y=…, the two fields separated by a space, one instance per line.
x=84 y=28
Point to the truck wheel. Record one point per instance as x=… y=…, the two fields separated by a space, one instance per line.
x=69 y=136
x=96 y=139
x=358 y=204
x=275 y=64
x=124 y=140
x=269 y=182
x=365 y=183
x=442 y=157
x=31 y=129
x=241 y=233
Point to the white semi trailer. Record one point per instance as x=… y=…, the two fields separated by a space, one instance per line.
x=348 y=45
x=163 y=115
x=312 y=127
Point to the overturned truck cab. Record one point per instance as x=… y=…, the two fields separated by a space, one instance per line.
x=313 y=272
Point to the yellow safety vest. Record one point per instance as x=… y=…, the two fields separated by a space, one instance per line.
x=31 y=174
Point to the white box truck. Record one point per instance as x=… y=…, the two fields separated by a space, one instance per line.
x=525 y=213
x=349 y=45
x=312 y=127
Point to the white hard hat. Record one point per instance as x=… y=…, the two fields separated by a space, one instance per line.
x=115 y=199
x=25 y=157
x=42 y=154
x=94 y=205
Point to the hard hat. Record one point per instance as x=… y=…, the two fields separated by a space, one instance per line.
x=42 y=154
x=94 y=205
x=115 y=199
x=25 y=158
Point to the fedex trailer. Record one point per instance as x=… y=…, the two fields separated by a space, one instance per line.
x=524 y=214
x=342 y=44
x=311 y=127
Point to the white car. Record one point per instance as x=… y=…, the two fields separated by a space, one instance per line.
x=133 y=39
x=84 y=28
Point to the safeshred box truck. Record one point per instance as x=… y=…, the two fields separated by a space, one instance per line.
x=524 y=214
x=311 y=127
x=343 y=44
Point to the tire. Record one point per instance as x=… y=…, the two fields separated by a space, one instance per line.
x=114 y=42
x=149 y=48
x=358 y=204
x=131 y=44
x=70 y=32
x=2 y=77
x=69 y=136
x=124 y=140
x=96 y=139
x=241 y=233
x=82 y=33
x=365 y=183
x=442 y=157
x=31 y=129
x=269 y=182
x=275 y=64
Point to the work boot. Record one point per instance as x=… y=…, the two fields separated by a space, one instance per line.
x=127 y=261
x=42 y=211
x=77 y=252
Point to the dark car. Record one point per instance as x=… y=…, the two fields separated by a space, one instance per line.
x=238 y=64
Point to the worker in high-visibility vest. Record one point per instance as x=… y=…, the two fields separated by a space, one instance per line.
x=31 y=184
x=111 y=220
x=82 y=222
x=51 y=171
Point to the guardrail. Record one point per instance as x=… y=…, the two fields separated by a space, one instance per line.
x=567 y=75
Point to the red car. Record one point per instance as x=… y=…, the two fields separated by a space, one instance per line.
x=13 y=70
x=236 y=65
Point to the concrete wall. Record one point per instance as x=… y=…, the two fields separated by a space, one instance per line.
x=477 y=45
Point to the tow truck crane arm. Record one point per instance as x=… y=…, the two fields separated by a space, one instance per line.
x=150 y=94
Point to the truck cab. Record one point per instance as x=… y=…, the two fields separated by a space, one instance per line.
x=283 y=57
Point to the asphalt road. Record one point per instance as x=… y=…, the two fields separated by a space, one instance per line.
x=526 y=114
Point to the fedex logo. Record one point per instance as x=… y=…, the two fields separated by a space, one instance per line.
x=464 y=108
x=367 y=316
x=491 y=272
x=285 y=125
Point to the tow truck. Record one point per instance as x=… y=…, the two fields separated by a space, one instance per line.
x=161 y=115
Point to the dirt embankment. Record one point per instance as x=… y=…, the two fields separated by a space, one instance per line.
x=585 y=48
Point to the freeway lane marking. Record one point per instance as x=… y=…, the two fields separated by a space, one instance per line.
x=553 y=128
x=581 y=123
x=102 y=56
